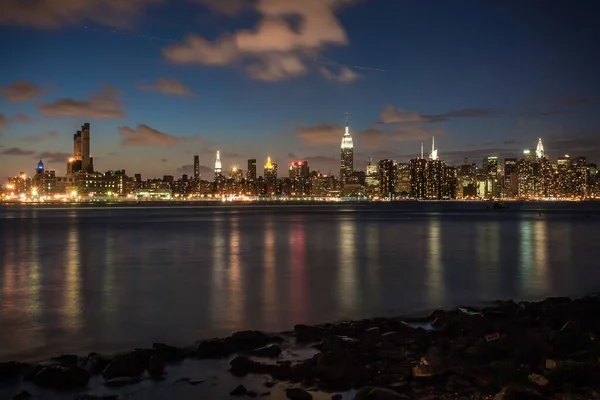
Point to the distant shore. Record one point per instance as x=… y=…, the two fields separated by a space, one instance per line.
x=545 y=350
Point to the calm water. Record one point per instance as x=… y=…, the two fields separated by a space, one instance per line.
x=79 y=279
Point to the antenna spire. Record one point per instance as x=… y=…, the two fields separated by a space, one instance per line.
x=421 y=150
x=346 y=119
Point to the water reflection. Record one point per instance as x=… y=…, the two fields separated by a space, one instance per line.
x=488 y=257
x=541 y=256
x=435 y=270
x=298 y=296
x=33 y=301
x=347 y=281
x=234 y=289
x=71 y=309
x=218 y=271
x=269 y=285
x=373 y=277
x=109 y=293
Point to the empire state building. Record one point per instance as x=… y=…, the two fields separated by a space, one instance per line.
x=347 y=156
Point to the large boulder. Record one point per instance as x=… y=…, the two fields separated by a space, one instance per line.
x=129 y=364
x=11 y=370
x=308 y=333
x=337 y=367
x=238 y=342
x=94 y=363
x=61 y=377
x=298 y=394
x=517 y=393
x=377 y=393
x=169 y=354
x=268 y=351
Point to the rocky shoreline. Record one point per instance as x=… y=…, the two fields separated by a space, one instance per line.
x=528 y=350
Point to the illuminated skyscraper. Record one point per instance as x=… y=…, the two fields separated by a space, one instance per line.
x=433 y=156
x=218 y=169
x=81 y=160
x=196 y=167
x=347 y=155
x=387 y=177
x=251 y=173
x=539 y=151
x=270 y=177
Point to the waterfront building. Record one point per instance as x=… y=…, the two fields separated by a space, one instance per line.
x=347 y=155
x=196 y=167
x=403 y=179
x=418 y=179
x=251 y=172
x=387 y=177
x=299 y=178
x=81 y=161
x=218 y=166
x=511 y=181
x=270 y=177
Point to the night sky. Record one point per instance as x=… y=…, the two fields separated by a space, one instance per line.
x=162 y=80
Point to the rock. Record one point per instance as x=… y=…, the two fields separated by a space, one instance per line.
x=22 y=395
x=156 y=366
x=94 y=363
x=66 y=359
x=268 y=351
x=240 y=390
x=515 y=393
x=169 y=354
x=264 y=394
x=396 y=337
x=308 y=333
x=336 y=367
x=238 y=342
x=94 y=397
x=337 y=397
x=196 y=382
x=377 y=393
x=123 y=381
x=11 y=370
x=129 y=364
x=251 y=393
x=270 y=384
x=213 y=348
x=59 y=377
x=297 y=394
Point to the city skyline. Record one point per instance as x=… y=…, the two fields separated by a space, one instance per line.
x=156 y=96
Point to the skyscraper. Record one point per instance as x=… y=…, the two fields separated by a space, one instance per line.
x=218 y=168
x=387 y=177
x=196 y=167
x=251 y=173
x=86 y=162
x=270 y=177
x=539 y=151
x=433 y=156
x=347 y=155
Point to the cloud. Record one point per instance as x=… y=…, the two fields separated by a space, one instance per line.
x=391 y=115
x=345 y=75
x=573 y=101
x=46 y=14
x=3 y=121
x=21 y=118
x=146 y=136
x=103 y=104
x=164 y=160
x=41 y=137
x=54 y=157
x=509 y=142
x=316 y=135
x=226 y=7
x=16 y=151
x=19 y=90
x=372 y=138
x=276 y=49
x=169 y=86
x=189 y=169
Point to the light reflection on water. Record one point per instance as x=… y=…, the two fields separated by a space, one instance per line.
x=77 y=280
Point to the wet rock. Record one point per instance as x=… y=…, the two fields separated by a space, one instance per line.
x=240 y=390
x=94 y=363
x=377 y=393
x=270 y=384
x=337 y=397
x=516 y=393
x=169 y=354
x=129 y=364
x=238 y=342
x=268 y=351
x=337 y=367
x=94 y=397
x=11 y=370
x=22 y=395
x=123 y=381
x=308 y=333
x=156 y=366
x=251 y=393
x=264 y=394
x=298 y=394
x=60 y=377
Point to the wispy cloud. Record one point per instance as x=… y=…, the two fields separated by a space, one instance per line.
x=54 y=157
x=3 y=121
x=19 y=91
x=21 y=118
x=392 y=115
x=344 y=75
x=170 y=86
x=41 y=137
x=189 y=169
x=103 y=104
x=145 y=136
x=17 y=151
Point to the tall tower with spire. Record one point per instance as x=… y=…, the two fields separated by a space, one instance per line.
x=218 y=168
x=347 y=155
x=539 y=151
x=434 y=153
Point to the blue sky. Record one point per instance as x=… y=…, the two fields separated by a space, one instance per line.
x=253 y=78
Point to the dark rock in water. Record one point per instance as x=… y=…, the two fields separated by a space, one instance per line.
x=238 y=342
x=22 y=395
x=156 y=366
x=66 y=359
x=298 y=394
x=169 y=354
x=270 y=384
x=59 y=377
x=251 y=393
x=337 y=367
x=337 y=397
x=240 y=390
x=11 y=370
x=94 y=363
x=95 y=397
x=308 y=333
x=123 y=381
x=268 y=351
x=515 y=393
x=377 y=393
x=128 y=364
x=264 y=394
